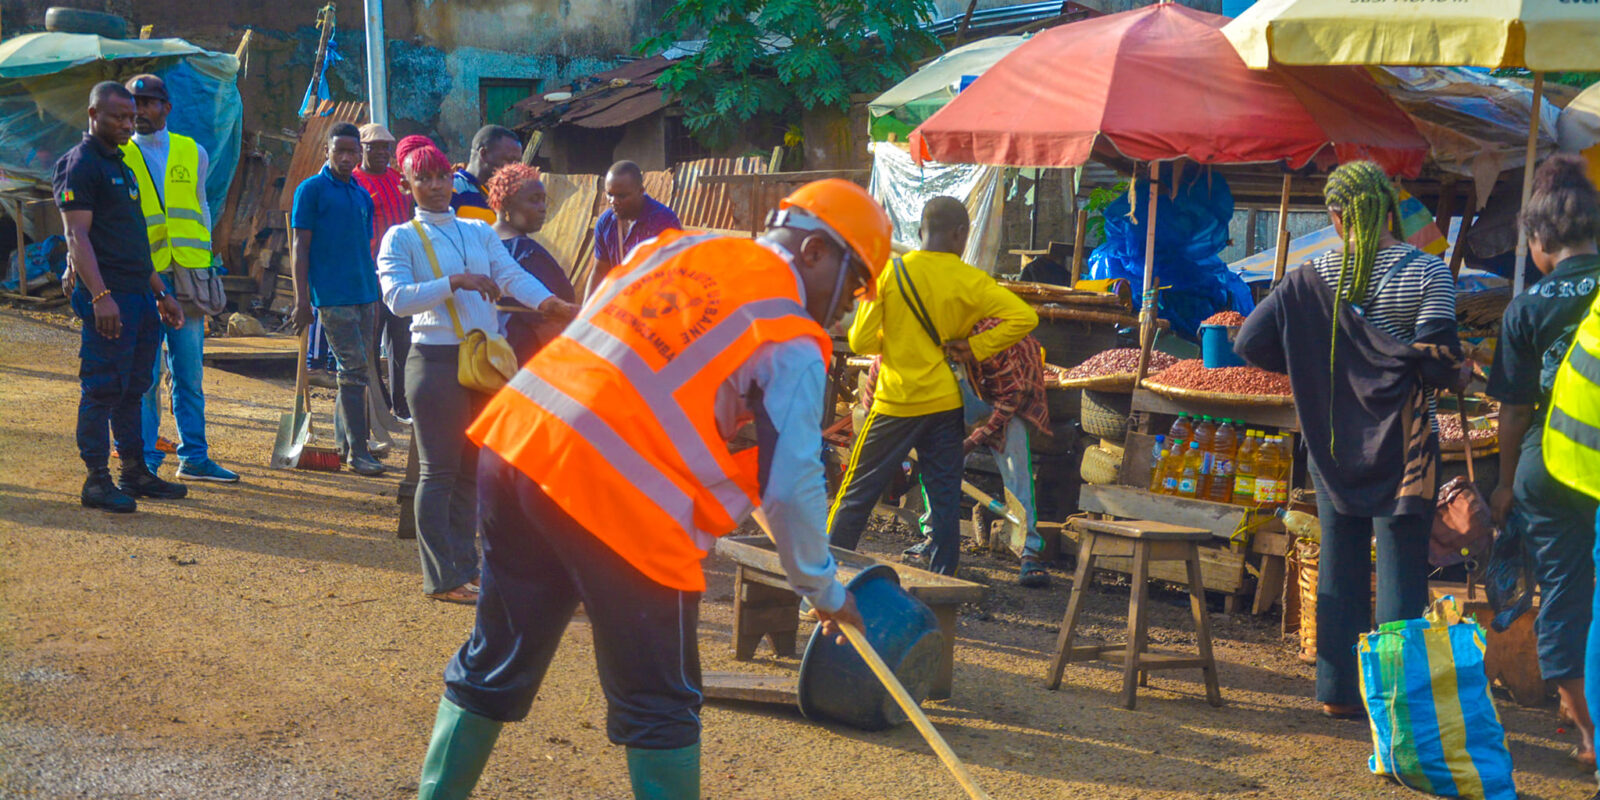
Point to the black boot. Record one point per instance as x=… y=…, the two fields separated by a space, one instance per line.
x=353 y=405
x=99 y=492
x=139 y=481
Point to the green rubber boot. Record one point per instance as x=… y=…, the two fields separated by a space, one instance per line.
x=665 y=774
x=460 y=747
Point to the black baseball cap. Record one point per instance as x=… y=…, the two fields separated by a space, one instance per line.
x=148 y=85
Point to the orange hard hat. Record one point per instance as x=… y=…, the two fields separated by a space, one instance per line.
x=851 y=213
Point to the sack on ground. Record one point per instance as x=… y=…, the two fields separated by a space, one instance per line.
x=1434 y=724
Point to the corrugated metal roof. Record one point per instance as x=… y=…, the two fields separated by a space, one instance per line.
x=602 y=100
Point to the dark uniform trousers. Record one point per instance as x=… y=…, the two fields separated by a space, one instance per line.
x=538 y=564
x=115 y=374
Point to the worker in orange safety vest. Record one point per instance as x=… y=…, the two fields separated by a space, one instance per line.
x=606 y=476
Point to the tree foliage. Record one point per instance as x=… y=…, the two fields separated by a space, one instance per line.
x=784 y=56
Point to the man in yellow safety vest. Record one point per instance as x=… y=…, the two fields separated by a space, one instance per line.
x=171 y=171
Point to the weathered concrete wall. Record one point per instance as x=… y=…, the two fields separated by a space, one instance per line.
x=437 y=51
x=555 y=27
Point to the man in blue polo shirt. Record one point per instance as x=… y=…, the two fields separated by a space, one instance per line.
x=632 y=217
x=334 y=271
x=120 y=299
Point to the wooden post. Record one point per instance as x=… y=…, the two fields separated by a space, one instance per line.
x=1527 y=181
x=1079 y=231
x=1281 y=263
x=22 y=251
x=966 y=20
x=1460 y=251
x=1147 y=311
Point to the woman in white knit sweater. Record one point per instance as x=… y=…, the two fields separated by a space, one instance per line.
x=472 y=271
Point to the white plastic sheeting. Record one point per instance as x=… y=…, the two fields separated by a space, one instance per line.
x=904 y=188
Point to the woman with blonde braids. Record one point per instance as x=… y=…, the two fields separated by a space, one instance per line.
x=1370 y=331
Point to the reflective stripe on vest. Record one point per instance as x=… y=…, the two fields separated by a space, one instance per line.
x=616 y=418
x=1572 y=426
x=173 y=218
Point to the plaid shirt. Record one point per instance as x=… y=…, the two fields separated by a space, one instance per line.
x=1013 y=383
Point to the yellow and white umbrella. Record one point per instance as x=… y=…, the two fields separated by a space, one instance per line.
x=1579 y=129
x=1538 y=35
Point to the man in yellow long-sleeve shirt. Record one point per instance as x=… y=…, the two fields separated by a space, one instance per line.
x=918 y=402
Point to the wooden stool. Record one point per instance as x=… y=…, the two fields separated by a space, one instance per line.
x=1148 y=541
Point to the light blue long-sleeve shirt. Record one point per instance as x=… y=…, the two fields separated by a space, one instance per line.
x=791 y=379
x=784 y=385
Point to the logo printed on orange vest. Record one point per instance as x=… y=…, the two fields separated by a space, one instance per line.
x=670 y=293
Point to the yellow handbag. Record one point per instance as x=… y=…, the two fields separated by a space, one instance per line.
x=486 y=360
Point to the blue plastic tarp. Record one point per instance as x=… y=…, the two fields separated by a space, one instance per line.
x=1191 y=232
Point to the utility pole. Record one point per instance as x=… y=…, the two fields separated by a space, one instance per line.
x=377 y=66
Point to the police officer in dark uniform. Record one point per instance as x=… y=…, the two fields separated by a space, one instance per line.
x=119 y=297
x=1555 y=522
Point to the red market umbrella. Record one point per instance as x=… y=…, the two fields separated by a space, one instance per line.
x=1161 y=83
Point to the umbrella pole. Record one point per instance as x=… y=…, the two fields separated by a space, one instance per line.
x=1281 y=263
x=1147 y=314
x=1527 y=181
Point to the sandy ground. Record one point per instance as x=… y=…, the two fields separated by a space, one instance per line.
x=270 y=640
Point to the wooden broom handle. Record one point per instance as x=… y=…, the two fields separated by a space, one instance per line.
x=1466 y=433
x=902 y=698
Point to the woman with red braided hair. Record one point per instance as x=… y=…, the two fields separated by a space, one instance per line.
x=518 y=198
x=446 y=273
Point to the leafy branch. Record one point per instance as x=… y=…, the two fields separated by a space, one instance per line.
x=780 y=57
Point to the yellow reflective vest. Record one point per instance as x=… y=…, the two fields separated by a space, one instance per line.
x=1572 y=429
x=173 y=217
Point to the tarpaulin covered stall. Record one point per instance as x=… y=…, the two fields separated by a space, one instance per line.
x=45 y=80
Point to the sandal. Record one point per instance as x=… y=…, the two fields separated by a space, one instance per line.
x=461 y=595
x=1584 y=759
x=1343 y=711
x=1032 y=575
x=474 y=586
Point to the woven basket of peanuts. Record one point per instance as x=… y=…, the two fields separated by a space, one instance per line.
x=1113 y=370
x=1245 y=386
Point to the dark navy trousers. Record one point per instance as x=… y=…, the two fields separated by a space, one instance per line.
x=538 y=564
x=1557 y=526
x=114 y=375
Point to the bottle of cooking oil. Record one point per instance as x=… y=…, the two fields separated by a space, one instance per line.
x=1182 y=429
x=1285 y=467
x=1224 y=452
x=1171 y=467
x=1205 y=434
x=1194 y=466
x=1157 y=455
x=1244 y=470
x=1267 y=473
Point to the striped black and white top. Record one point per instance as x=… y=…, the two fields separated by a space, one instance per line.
x=1423 y=290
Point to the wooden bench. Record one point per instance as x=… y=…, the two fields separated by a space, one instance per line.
x=1145 y=541
x=765 y=608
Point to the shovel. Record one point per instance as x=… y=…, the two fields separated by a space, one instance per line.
x=294 y=427
x=858 y=640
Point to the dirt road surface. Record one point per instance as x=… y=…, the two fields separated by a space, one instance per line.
x=270 y=640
